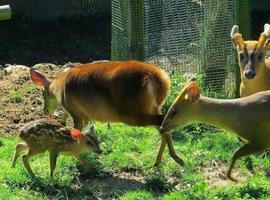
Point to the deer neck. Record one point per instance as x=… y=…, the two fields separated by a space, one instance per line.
x=219 y=113
x=57 y=88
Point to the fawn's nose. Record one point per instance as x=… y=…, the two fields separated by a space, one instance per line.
x=99 y=151
x=249 y=74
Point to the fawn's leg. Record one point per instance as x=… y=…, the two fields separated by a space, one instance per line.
x=83 y=162
x=25 y=159
x=172 y=152
x=53 y=159
x=245 y=150
x=18 y=149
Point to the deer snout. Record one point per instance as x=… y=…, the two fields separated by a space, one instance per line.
x=249 y=74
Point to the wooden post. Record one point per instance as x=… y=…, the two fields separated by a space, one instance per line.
x=5 y=12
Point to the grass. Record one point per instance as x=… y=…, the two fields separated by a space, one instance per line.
x=15 y=95
x=132 y=151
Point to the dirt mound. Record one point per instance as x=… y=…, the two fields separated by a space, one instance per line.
x=21 y=101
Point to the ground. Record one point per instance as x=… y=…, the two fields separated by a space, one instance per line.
x=125 y=169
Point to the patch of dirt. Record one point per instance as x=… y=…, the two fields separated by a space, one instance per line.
x=20 y=101
x=215 y=175
x=117 y=183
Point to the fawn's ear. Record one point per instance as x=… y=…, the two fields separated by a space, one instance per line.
x=38 y=78
x=193 y=91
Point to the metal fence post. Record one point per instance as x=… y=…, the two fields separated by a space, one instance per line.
x=5 y=12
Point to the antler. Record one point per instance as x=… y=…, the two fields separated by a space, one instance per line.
x=237 y=37
x=264 y=35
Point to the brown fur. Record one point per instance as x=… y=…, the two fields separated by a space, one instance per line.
x=247 y=117
x=253 y=53
x=42 y=135
x=130 y=92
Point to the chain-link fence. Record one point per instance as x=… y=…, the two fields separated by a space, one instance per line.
x=183 y=36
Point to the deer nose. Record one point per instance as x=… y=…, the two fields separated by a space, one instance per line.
x=249 y=74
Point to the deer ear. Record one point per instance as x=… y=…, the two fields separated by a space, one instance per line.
x=193 y=92
x=237 y=37
x=38 y=78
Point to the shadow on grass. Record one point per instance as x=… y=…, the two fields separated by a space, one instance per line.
x=82 y=187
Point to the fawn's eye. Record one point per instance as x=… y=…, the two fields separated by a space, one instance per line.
x=89 y=143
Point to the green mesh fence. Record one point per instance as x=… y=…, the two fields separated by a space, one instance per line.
x=188 y=37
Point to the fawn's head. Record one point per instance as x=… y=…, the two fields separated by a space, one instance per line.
x=181 y=109
x=50 y=101
x=90 y=141
x=251 y=54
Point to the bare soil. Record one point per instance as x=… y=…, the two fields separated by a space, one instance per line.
x=20 y=101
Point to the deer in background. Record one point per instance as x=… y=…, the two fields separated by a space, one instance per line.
x=254 y=67
x=247 y=117
x=130 y=91
x=43 y=135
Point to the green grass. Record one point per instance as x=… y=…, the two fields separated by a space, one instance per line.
x=31 y=88
x=133 y=149
x=15 y=95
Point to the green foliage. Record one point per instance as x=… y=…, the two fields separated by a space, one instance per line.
x=137 y=195
x=31 y=88
x=15 y=96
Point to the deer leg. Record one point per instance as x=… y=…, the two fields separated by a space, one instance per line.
x=161 y=150
x=245 y=150
x=172 y=152
x=18 y=149
x=53 y=159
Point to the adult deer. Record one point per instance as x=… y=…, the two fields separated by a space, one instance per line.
x=247 y=117
x=254 y=67
x=130 y=91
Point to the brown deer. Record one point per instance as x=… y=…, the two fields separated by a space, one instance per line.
x=129 y=91
x=254 y=67
x=42 y=135
x=247 y=117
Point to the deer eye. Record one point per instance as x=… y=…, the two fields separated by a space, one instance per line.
x=241 y=56
x=89 y=143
